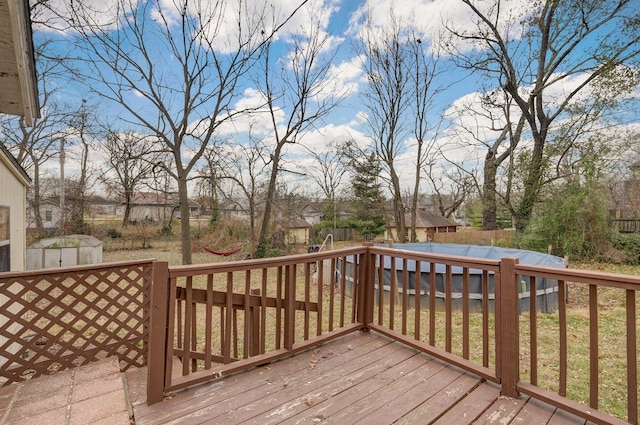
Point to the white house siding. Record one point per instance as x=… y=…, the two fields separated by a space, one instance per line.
x=13 y=200
x=13 y=197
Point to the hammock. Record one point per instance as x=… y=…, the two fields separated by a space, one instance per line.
x=221 y=253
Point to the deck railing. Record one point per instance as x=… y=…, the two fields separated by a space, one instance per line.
x=227 y=317
x=577 y=354
x=195 y=323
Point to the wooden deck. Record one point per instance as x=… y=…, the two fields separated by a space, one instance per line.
x=361 y=378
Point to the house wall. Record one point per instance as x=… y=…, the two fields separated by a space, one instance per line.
x=48 y=220
x=298 y=236
x=13 y=199
x=13 y=234
x=423 y=234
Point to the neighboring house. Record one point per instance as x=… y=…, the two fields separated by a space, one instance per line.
x=49 y=212
x=157 y=207
x=149 y=206
x=427 y=225
x=235 y=210
x=297 y=231
x=313 y=213
x=95 y=205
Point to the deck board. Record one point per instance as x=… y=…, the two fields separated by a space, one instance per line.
x=361 y=378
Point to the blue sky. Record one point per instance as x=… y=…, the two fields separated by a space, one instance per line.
x=343 y=22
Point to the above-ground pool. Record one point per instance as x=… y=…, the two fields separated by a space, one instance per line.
x=546 y=290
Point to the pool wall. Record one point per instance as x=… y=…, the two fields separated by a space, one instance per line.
x=546 y=290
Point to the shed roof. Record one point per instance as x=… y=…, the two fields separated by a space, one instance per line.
x=67 y=241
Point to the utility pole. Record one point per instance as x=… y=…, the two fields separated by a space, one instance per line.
x=62 y=189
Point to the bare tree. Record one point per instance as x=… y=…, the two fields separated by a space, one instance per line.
x=531 y=54
x=451 y=188
x=303 y=91
x=204 y=52
x=387 y=59
x=329 y=169
x=35 y=145
x=425 y=86
x=239 y=174
x=130 y=158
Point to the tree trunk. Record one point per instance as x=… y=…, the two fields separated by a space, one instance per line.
x=489 y=221
x=35 y=205
x=126 y=219
x=398 y=206
x=185 y=230
x=271 y=190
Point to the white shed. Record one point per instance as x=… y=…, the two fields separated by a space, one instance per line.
x=64 y=251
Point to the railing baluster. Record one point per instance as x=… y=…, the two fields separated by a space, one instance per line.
x=188 y=311
x=417 y=306
x=393 y=293
x=562 y=325
x=632 y=357
x=343 y=287
x=194 y=333
x=381 y=289
x=226 y=349
x=332 y=290
x=448 y=309
x=290 y=305
x=263 y=312
x=246 y=335
x=320 y=315
x=234 y=326
x=485 y=318
x=405 y=289
x=533 y=331
x=279 y=306
x=465 y=312
x=355 y=278
x=208 y=322
x=307 y=298
x=432 y=303
x=593 y=346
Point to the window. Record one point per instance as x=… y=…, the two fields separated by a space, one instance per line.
x=48 y=215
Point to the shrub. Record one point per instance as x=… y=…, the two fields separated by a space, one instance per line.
x=629 y=246
x=114 y=233
x=574 y=221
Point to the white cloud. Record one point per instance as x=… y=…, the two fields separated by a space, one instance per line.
x=428 y=18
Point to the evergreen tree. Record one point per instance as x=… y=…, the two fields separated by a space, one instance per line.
x=367 y=215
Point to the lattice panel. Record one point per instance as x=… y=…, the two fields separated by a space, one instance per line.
x=52 y=321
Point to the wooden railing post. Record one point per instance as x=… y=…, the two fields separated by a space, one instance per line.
x=158 y=317
x=366 y=287
x=507 y=327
